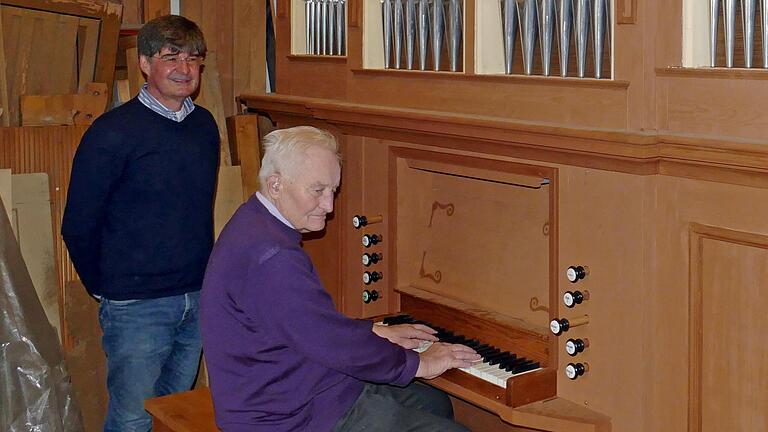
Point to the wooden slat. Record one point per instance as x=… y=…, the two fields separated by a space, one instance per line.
x=87 y=42
x=135 y=77
x=133 y=11
x=4 y=119
x=249 y=47
x=210 y=98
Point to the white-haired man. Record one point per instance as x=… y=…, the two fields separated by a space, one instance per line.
x=280 y=357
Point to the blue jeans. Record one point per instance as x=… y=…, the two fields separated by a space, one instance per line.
x=153 y=349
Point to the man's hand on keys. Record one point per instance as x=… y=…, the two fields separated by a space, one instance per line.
x=406 y=335
x=440 y=357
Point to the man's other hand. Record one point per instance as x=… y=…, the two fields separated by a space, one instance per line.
x=406 y=335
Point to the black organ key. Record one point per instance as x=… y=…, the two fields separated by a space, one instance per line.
x=531 y=365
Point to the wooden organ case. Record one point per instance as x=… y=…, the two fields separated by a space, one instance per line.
x=487 y=192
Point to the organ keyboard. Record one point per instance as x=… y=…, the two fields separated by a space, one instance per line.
x=496 y=367
x=517 y=363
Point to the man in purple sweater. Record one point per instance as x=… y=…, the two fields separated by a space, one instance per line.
x=280 y=357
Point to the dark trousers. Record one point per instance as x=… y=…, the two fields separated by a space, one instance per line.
x=415 y=408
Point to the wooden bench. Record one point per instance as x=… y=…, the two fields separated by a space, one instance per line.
x=190 y=411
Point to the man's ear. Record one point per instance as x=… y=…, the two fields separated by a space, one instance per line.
x=274 y=186
x=144 y=64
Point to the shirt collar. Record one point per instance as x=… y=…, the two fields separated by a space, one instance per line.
x=146 y=98
x=272 y=209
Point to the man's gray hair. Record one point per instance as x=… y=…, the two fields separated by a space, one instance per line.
x=284 y=150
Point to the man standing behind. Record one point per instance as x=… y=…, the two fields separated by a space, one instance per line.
x=280 y=357
x=139 y=222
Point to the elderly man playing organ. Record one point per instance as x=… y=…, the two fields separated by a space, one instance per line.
x=280 y=357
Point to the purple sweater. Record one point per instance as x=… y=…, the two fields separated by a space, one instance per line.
x=279 y=355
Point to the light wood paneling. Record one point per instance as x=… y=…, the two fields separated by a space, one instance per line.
x=728 y=371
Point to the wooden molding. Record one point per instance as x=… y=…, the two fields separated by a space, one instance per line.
x=317 y=58
x=516 y=79
x=713 y=73
x=734 y=162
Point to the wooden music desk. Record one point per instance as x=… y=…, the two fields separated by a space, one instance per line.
x=190 y=411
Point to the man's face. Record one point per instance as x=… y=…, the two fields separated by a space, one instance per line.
x=307 y=198
x=172 y=76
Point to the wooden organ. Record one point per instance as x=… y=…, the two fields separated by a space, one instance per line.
x=613 y=230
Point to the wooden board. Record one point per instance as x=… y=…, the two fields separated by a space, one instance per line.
x=32 y=225
x=229 y=196
x=209 y=97
x=249 y=47
x=244 y=139
x=156 y=8
x=80 y=109
x=4 y=119
x=85 y=358
x=6 y=194
x=190 y=411
x=135 y=76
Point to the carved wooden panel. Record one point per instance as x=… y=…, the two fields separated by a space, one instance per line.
x=728 y=373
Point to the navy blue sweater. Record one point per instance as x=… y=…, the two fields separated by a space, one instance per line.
x=139 y=216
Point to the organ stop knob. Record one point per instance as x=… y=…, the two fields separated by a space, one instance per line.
x=562 y=325
x=373 y=258
x=370 y=296
x=572 y=298
x=371 y=239
x=575 y=346
x=575 y=370
x=576 y=273
x=361 y=221
x=371 y=277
